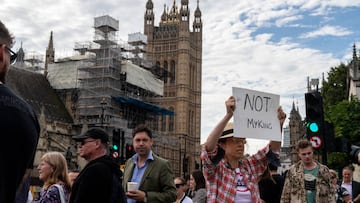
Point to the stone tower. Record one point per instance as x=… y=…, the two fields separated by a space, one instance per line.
x=175 y=52
x=297 y=131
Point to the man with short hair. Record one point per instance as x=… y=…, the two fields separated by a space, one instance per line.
x=100 y=180
x=154 y=176
x=19 y=128
x=307 y=180
x=353 y=187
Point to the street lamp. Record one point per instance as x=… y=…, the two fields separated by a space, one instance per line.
x=184 y=159
x=103 y=103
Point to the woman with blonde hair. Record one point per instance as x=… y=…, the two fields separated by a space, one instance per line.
x=54 y=173
x=341 y=194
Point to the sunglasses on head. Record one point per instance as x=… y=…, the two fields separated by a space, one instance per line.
x=179 y=185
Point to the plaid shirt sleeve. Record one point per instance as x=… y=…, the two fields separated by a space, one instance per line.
x=221 y=181
x=209 y=166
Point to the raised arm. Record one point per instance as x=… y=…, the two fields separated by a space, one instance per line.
x=212 y=140
x=276 y=145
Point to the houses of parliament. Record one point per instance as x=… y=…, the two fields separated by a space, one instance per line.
x=153 y=79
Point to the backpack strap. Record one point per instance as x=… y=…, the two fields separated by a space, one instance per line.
x=61 y=192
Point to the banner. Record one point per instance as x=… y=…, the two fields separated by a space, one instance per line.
x=255 y=115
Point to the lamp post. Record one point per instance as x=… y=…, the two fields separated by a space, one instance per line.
x=103 y=103
x=184 y=159
x=68 y=157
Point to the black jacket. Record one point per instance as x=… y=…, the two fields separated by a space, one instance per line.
x=19 y=130
x=271 y=191
x=96 y=183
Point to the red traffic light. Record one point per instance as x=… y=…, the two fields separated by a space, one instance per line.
x=129 y=147
x=129 y=151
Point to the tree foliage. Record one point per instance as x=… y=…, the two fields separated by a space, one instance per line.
x=334 y=90
x=345 y=116
x=338 y=160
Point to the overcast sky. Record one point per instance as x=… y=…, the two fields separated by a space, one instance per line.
x=270 y=46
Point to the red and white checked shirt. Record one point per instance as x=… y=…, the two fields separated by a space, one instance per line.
x=221 y=179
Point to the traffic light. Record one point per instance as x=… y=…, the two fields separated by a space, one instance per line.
x=129 y=151
x=115 y=147
x=185 y=165
x=314 y=118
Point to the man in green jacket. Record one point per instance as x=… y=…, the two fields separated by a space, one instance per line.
x=153 y=174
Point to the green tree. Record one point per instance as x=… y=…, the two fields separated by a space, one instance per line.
x=338 y=160
x=345 y=116
x=334 y=90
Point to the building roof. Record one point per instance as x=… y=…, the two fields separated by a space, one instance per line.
x=35 y=89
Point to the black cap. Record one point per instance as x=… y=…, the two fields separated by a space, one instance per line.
x=96 y=133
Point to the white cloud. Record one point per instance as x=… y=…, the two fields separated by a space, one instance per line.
x=235 y=52
x=327 y=30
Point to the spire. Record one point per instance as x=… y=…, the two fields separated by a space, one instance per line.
x=164 y=14
x=197 y=11
x=355 y=63
x=354 y=52
x=20 y=54
x=20 y=60
x=51 y=44
x=197 y=25
x=50 y=54
x=173 y=14
x=293 y=104
x=149 y=5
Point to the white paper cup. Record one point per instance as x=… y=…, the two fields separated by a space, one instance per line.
x=132 y=185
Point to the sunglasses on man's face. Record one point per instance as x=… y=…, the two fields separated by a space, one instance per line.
x=13 y=55
x=179 y=185
x=83 y=142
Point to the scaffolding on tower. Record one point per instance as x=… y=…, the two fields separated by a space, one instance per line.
x=114 y=90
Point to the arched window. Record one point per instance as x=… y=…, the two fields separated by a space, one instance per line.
x=163 y=123
x=165 y=71
x=171 y=121
x=157 y=68
x=172 y=72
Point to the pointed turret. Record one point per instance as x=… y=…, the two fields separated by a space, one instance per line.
x=197 y=26
x=294 y=113
x=354 y=52
x=50 y=54
x=197 y=11
x=20 y=60
x=149 y=20
x=184 y=10
x=355 y=58
x=173 y=15
x=164 y=15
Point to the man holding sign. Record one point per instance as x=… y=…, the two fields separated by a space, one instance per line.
x=232 y=177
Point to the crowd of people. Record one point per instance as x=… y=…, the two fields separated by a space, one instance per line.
x=228 y=175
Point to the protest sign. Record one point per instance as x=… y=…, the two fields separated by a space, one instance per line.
x=255 y=115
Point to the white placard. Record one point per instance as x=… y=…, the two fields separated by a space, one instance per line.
x=255 y=115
